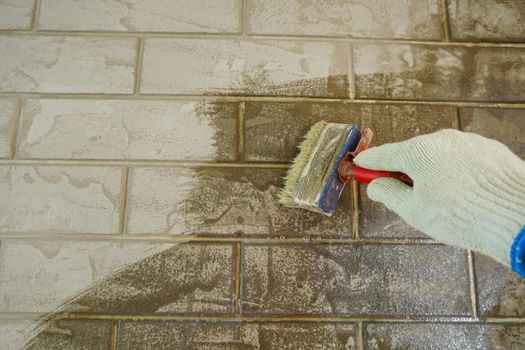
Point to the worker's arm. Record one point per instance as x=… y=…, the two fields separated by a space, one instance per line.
x=469 y=191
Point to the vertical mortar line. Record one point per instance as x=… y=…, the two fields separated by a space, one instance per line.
x=34 y=15
x=443 y=14
x=237 y=280
x=472 y=285
x=115 y=327
x=359 y=335
x=350 y=70
x=355 y=209
x=241 y=276
x=240 y=132
x=13 y=151
x=125 y=201
x=456 y=121
x=138 y=65
x=244 y=18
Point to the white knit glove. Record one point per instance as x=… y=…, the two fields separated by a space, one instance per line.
x=469 y=191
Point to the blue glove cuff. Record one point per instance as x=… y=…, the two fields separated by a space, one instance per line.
x=517 y=253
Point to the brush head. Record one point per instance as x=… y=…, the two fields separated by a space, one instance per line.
x=312 y=182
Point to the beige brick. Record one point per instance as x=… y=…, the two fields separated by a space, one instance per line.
x=16 y=14
x=67 y=64
x=336 y=280
x=8 y=118
x=204 y=16
x=73 y=334
x=15 y=333
x=209 y=202
x=115 y=277
x=427 y=336
x=235 y=336
x=439 y=73
x=115 y=129
x=60 y=199
x=487 y=20
x=413 y=19
x=505 y=125
x=283 y=68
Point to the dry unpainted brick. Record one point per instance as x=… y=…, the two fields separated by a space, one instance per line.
x=204 y=16
x=412 y=19
x=72 y=334
x=421 y=72
x=58 y=64
x=500 y=291
x=240 y=202
x=16 y=14
x=486 y=20
x=8 y=119
x=116 y=129
x=55 y=199
x=14 y=333
x=504 y=125
x=427 y=336
x=262 y=336
x=355 y=280
x=233 y=67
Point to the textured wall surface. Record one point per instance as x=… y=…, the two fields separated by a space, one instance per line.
x=143 y=142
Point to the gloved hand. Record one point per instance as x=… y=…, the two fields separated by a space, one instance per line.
x=469 y=191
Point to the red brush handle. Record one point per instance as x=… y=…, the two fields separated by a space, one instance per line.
x=367 y=175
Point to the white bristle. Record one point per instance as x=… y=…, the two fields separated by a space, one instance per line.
x=294 y=173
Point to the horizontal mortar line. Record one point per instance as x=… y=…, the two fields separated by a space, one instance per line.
x=241 y=98
x=210 y=239
x=503 y=320
x=375 y=319
x=139 y=163
x=253 y=36
x=254 y=319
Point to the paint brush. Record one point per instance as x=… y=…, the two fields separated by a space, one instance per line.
x=324 y=165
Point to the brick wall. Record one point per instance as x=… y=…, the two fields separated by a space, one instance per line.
x=142 y=144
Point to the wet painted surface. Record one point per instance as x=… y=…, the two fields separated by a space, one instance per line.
x=487 y=20
x=439 y=73
x=390 y=124
x=500 y=292
x=129 y=128
x=443 y=336
x=503 y=125
x=254 y=336
x=354 y=280
x=226 y=202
